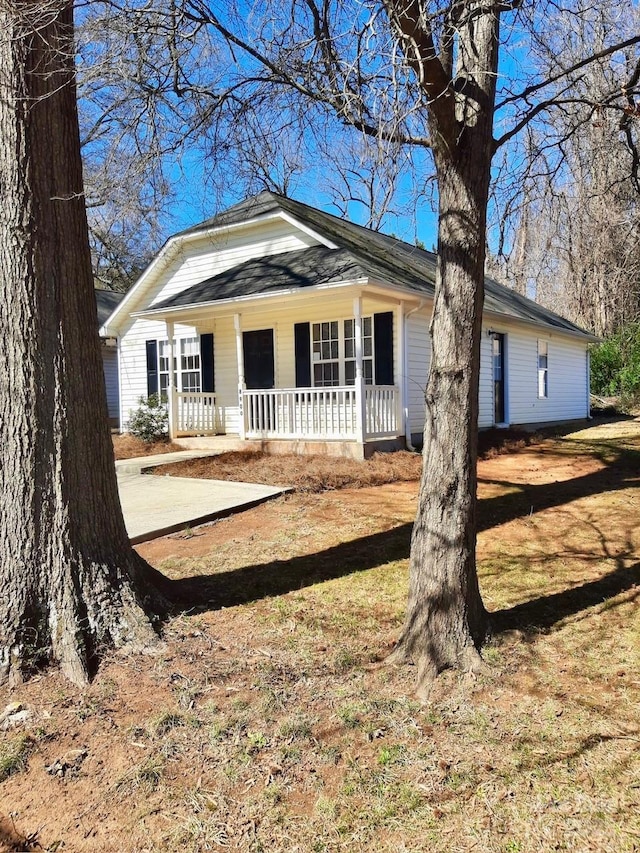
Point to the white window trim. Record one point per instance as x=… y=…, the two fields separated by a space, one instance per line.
x=543 y=372
x=319 y=360
x=342 y=359
x=178 y=343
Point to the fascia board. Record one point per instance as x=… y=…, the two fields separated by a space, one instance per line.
x=545 y=328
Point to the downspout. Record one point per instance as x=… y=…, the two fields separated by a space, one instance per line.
x=118 y=365
x=122 y=421
x=405 y=374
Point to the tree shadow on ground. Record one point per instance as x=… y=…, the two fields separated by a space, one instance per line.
x=201 y=593
x=541 y=614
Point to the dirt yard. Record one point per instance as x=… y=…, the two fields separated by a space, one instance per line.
x=265 y=722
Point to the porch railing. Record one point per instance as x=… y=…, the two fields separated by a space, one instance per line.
x=381 y=411
x=195 y=413
x=319 y=413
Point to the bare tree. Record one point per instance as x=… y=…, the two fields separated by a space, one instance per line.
x=71 y=584
x=576 y=246
x=130 y=149
x=155 y=82
x=426 y=75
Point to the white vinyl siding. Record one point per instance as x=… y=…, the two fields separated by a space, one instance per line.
x=418 y=360
x=133 y=360
x=212 y=255
x=567 y=397
x=543 y=370
x=485 y=390
x=566 y=381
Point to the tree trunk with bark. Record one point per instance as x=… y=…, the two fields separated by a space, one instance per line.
x=71 y=584
x=446 y=621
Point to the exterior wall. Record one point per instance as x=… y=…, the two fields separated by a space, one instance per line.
x=568 y=397
x=110 y=369
x=418 y=360
x=485 y=389
x=567 y=379
x=133 y=361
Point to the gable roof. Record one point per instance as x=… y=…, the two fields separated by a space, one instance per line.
x=301 y=268
x=106 y=302
x=361 y=253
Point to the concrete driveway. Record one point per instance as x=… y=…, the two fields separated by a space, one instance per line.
x=154 y=505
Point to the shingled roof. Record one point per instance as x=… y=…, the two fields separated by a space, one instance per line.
x=361 y=254
x=106 y=301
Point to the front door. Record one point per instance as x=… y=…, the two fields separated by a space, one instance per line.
x=497 y=344
x=258 y=359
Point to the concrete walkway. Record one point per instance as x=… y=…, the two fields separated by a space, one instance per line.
x=154 y=505
x=140 y=464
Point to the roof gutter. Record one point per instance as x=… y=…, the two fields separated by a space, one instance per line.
x=540 y=325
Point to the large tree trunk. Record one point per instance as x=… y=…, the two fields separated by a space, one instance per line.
x=71 y=584
x=446 y=621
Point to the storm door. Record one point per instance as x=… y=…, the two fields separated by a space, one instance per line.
x=497 y=349
x=259 y=372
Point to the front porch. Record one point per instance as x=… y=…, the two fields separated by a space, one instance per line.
x=282 y=375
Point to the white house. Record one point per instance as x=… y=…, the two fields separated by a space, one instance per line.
x=106 y=302
x=287 y=324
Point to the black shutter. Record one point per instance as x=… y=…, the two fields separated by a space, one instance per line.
x=152 y=368
x=207 y=363
x=302 y=332
x=383 y=343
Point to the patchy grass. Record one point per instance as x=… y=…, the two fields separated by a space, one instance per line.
x=266 y=723
x=14 y=752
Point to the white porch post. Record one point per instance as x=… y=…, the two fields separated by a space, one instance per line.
x=172 y=396
x=360 y=389
x=403 y=403
x=242 y=427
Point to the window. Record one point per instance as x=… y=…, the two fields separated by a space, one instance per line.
x=350 y=351
x=325 y=348
x=187 y=378
x=333 y=352
x=543 y=369
x=163 y=368
x=189 y=364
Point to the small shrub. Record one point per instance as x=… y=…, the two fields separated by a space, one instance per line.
x=150 y=421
